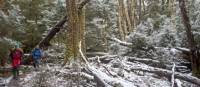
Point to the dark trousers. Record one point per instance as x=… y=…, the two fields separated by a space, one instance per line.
x=15 y=72
x=36 y=63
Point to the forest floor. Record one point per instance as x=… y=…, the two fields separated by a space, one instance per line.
x=115 y=73
x=102 y=71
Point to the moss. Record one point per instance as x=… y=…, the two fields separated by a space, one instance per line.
x=196 y=72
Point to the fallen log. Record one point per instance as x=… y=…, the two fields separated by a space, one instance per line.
x=52 y=33
x=104 y=59
x=186 y=53
x=92 y=71
x=166 y=73
x=100 y=82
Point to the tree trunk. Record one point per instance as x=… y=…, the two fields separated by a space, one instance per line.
x=128 y=17
x=46 y=41
x=76 y=31
x=130 y=8
x=140 y=11
x=120 y=20
x=124 y=20
x=194 y=54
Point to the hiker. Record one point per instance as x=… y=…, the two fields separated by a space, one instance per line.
x=36 y=55
x=16 y=55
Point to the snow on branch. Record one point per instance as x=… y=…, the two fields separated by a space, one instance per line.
x=173 y=71
x=183 y=49
x=84 y=58
x=123 y=43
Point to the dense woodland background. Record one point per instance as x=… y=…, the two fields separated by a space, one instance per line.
x=163 y=34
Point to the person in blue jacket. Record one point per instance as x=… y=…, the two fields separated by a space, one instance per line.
x=36 y=55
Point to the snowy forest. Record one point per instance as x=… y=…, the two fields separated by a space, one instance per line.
x=100 y=43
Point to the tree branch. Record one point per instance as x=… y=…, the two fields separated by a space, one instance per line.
x=120 y=42
x=82 y=4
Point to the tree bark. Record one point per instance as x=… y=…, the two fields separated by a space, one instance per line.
x=46 y=41
x=73 y=29
x=128 y=17
x=120 y=20
x=194 y=53
x=140 y=11
x=76 y=31
x=123 y=20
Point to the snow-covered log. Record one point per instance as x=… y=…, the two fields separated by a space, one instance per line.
x=123 y=43
x=166 y=73
x=103 y=59
x=96 y=53
x=183 y=49
x=144 y=60
x=89 y=69
x=100 y=82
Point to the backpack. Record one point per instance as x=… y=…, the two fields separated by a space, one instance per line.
x=37 y=53
x=16 y=54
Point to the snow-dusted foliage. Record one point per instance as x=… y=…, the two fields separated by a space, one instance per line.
x=101 y=22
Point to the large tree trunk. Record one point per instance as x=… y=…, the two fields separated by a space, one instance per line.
x=46 y=41
x=194 y=54
x=76 y=31
x=124 y=21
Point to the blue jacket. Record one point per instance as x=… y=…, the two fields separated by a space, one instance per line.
x=37 y=53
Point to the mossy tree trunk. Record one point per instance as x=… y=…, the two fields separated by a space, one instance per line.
x=76 y=29
x=73 y=29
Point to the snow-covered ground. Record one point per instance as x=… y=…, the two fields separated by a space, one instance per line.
x=112 y=70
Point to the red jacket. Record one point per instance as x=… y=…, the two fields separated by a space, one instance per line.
x=16 y=56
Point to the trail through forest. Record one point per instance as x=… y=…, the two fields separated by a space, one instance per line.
x=100 y=43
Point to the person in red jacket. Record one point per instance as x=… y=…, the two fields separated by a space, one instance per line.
x=16 y=57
